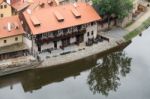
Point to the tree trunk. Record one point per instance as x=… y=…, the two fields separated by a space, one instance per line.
x=108 y=22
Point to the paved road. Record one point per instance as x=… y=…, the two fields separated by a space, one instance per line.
x=88 y=51
x=115 y=33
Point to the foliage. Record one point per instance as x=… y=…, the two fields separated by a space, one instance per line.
x=138 y=30
x=119 y=8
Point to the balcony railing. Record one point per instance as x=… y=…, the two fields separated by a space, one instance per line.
x=56 y=38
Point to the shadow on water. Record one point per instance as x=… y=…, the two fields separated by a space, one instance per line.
x=101 y=79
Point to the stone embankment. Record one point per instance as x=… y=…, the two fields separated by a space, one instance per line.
x=17 y=64
x=116 y=37
x=82 y=52
x=28 y=62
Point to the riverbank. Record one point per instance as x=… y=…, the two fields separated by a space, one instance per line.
x=138 y=26
x=83 y=52
x=137 y=30
x=116 y=37
x=17 y=64
x=77 y=53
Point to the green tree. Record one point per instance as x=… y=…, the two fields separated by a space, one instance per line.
x=117 y=8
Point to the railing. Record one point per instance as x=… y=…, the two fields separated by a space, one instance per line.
x=56 y=38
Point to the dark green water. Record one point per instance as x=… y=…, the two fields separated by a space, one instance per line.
x=123 y=74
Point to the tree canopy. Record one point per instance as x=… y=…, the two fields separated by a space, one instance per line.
x=119 y=8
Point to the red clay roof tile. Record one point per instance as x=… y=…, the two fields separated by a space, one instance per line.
x=49 y=22
x=13 y=20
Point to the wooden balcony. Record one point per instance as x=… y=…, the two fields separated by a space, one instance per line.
x=56 y=38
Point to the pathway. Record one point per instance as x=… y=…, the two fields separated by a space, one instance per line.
x=116 y=33
x=80 y=53
x=139 y=21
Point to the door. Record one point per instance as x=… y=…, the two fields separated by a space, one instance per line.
x=66 y=42
x=55 y=44
x=39 y=48
x=79 y=38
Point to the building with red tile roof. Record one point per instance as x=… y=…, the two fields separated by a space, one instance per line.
x=1 y=1
x=45 y=25
x=11 y=38
x=14 y=29
x=5 y=9
x=49 y=22
x=57 y=27
x=21 y=5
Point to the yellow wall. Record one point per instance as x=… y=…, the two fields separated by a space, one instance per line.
x=5 y=11
x=10 y=40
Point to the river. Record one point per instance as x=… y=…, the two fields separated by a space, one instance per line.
x=123 y=73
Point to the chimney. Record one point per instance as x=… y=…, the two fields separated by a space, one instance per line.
x=8 y=1
x=41 y=4
x=9 y=26
x=50 y=2
x=75 y=5
x=16 y=25
x=29 y=11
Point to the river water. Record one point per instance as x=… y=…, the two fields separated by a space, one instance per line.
x=123 y=73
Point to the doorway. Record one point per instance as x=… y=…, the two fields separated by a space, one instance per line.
x=39 y=48
x=55 y=44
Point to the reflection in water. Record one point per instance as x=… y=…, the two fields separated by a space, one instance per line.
x=35 y=79
x=105 y=77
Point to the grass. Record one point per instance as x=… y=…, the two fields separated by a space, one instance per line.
x=138 y=30
x=130 y=23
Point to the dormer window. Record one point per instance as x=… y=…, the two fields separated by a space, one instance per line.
x=58 y=16
x=76 y=13
x=35 y=21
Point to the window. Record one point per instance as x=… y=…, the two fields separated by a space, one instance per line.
x=16 y=39
x=88 y=33
x=44 y=35
x=1 y=7
x=1 y=15
x=79 y=27
x=89 y=24
x=60 y=31
x=49 y=33
x=84 y=26
x=69 y=30
x=5 y=6
x=92 y=23
x=92 y=33
x=75 y=29
x=64 y=30
x=5 y=41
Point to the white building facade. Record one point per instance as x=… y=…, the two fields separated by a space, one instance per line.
x=72 y=27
